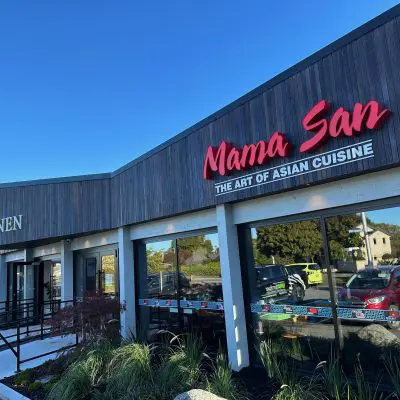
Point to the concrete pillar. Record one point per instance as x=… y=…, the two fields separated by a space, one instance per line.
x=67 y=272
x=29 y=278
x=127 y=284
x=3 y=282
x=235 y=320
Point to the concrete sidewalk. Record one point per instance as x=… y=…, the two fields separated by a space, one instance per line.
x=8 y=362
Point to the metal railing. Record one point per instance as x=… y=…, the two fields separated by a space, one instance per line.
x=29 y=320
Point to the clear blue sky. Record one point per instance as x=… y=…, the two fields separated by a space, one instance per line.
x=88 y=85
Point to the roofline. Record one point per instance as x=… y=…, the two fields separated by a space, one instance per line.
x=310 y=60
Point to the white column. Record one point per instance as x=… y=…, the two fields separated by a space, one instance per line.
x=67 y=272
x=235 y=320
x=29 y=288
x=3 y=282
x=127 y=284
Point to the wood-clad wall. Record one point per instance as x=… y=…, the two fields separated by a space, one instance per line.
x=170 y=181
x=56 y=209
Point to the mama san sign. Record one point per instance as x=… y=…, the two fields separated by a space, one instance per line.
x=226 y=159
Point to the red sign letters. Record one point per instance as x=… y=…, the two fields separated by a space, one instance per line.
x=225 y=158
x=343 y=122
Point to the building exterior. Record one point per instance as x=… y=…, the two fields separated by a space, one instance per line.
x=280 y=172
x=380 y=246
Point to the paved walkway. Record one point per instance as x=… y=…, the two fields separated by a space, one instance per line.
x=23 y=335
x=8 y=364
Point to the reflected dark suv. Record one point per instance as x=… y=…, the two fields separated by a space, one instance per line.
x=277 y=282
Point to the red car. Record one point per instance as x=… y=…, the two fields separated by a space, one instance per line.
x=374 y=288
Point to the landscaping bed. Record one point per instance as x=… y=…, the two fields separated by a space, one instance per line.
x=105 y=370
x=36 y=383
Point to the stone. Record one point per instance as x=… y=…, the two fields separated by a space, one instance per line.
x=197 y=394
x=378 y=336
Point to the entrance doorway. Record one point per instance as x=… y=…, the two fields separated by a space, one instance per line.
x=180 y=287
x=96 y=271
x=25 y=279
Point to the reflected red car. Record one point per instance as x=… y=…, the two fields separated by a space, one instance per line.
x=373 y=288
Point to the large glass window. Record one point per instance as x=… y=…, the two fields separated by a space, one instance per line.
x=288 y=288
x=364 y=250
x=299 y=296
x=183 y=289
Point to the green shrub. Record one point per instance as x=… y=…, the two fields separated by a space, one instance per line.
x=137 y=371
x=278 y=367
x=392 y=366
x=222 y=383
x=363 y=390
x=300 y=391
x=129 y=372
x=188 y=357
x=74 y=384
x=333 y=378
x=23 y=378
x=35 y=386
x=85 y=374
x=210 y=268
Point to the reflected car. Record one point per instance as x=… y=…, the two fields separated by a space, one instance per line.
x=313 y=271
x=167 y=286
x=276 y=282
x=373 y=288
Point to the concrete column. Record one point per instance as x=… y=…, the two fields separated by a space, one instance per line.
x=67 y=272
x=29 y=284
x=235 y=320
x=127 y=284
x=3 y=282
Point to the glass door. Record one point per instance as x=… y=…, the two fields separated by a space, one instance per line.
x=96 y=271
x=24 y=296
x=108 y=274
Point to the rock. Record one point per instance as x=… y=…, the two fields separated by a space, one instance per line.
x=378 y=336
x=197 y=394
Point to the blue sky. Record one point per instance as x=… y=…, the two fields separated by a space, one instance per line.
x=88 y=85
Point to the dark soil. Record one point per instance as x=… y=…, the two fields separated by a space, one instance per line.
x=22 y=381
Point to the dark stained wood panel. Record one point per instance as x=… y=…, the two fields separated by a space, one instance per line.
x=56 y=209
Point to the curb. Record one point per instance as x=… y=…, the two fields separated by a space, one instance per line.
x=6 y=393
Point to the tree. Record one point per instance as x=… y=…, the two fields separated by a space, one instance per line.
x=194 y=243
x=340 y=239
x=154 y=261
x=295 y=242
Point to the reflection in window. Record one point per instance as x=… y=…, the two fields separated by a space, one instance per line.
x=365 y=269
x=289 y=292
x=108 y=273
x=56 y=281
x=161 y=277
x=200 y=269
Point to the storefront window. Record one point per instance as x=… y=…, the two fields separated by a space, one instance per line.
x=201 y=298
x=180 y=289
x=289 y=290
x=366 y=279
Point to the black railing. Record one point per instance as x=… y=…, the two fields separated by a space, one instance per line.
x=30 y=324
